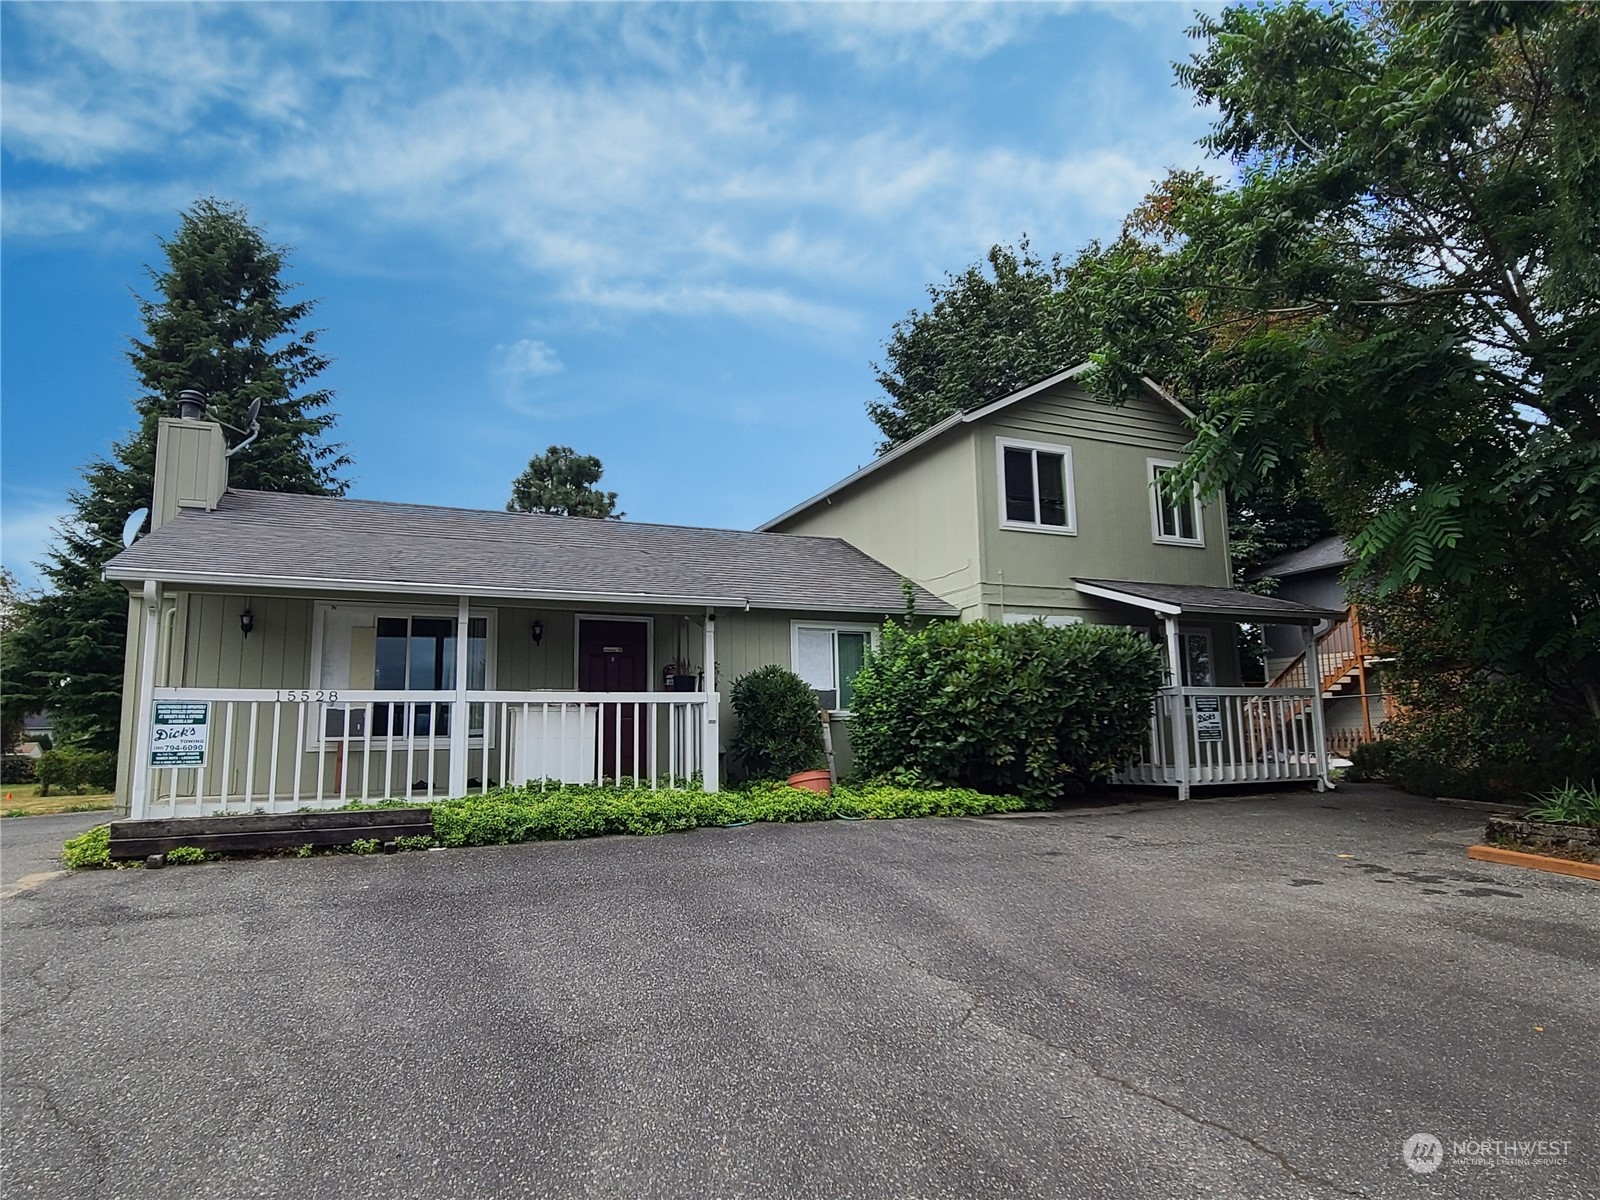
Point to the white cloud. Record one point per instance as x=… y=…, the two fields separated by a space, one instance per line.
x=893 y=32
x=528 y=359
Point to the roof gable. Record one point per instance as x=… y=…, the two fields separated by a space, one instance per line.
x=969 y=416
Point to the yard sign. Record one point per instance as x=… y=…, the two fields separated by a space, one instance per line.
x=1207 y=719
x=178 y=733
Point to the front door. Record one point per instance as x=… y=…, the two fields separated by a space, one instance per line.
x=614 y=656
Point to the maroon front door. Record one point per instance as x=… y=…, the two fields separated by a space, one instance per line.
x=614 y=656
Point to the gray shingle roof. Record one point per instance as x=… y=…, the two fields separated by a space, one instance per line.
x=1321 y=555
x=1199 y=601
x=276 y=540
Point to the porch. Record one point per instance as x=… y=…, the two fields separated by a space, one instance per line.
x=241 y=750
x=1201 y=734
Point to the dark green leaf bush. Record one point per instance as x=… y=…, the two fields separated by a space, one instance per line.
x=1023 y=709
x=779 y=730
x=19 y=768
x=75 y=770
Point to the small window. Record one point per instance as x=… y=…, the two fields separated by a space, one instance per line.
x=1173 y=518
x=829 y=658
x=1036 y=487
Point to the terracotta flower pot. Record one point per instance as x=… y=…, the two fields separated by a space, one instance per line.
x=812 y=781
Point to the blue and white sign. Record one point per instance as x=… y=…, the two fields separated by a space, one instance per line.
x=178 y=733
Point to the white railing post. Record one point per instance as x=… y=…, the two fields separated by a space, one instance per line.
x=1318 y=732
x=458 y=707
x=1180 y=707
x=141 y=772
x=708 y=724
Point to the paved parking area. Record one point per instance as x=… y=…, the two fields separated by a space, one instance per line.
x=1256 y=997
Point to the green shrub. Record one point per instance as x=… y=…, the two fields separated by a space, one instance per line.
x=19 y=768
x=366 y=846
x=779 y=730
x=1024 y=710
x=77 y=771
x=179 y=855
x=1569 y=804
x=1372 y=760
x=420 y=841
x=92 y=848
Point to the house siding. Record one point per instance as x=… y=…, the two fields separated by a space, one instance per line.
x=915 y=516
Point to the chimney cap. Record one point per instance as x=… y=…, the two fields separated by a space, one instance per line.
x=192 y=404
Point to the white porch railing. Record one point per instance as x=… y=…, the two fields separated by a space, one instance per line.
x=1230 y=735
x=281 y=750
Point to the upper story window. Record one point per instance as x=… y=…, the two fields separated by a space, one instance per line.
x=1036 y=487
x=1173 y=519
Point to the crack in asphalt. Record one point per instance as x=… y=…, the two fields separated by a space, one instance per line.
x=1127 y=1085
x=93 y=1139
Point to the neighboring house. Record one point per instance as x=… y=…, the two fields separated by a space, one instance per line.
x=34 y=737
x=287 y=650
x=1350 y=669
x=1043 y=504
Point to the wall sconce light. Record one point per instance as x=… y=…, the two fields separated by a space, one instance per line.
x=247 y=622
x=538 y=632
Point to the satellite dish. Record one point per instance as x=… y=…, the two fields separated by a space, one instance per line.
x=253 y=417
x=131 y=527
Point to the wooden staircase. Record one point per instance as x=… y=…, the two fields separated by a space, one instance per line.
x=1343 y=655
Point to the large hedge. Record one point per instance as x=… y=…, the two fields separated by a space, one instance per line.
x=1024 y=709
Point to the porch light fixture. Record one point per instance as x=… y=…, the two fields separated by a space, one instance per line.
x=538 y=632
x=247 y=622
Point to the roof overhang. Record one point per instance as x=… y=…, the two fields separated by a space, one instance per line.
x=965 y=417
x=281 y=583
x=1226 y=604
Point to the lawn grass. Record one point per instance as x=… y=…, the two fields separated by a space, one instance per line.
x=23 y=800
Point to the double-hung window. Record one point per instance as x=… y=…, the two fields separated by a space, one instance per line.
x=1036 y=487
x=1173 y=518
x=828 y=657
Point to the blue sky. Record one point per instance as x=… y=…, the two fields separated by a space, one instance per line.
x=672 y=236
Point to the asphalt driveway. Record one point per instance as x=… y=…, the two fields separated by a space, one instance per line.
x=1260 y=997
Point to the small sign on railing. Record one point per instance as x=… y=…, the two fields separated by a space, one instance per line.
x=178 y=733
x=1207 y=718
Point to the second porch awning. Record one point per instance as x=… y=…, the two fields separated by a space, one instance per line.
x=1191 y=600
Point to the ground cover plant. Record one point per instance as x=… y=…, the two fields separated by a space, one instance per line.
x=503 y=816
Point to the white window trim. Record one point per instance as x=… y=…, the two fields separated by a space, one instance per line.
x=1001 y=445
x=319 y=625
x=831 y=627
x=1151 y=465
x=650 y=682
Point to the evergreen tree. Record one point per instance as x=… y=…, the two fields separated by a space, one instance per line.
x=221 y=320
x=561 y=481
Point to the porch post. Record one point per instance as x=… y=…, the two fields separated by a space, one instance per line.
x=144 y=713
x=1318 y=732
x=1180 y=707
x=458 y=709
x=709 y=764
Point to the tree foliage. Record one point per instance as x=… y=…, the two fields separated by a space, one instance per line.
x=561 y=481
x=221 y=318
x=986 y=333
x=1397 y=302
